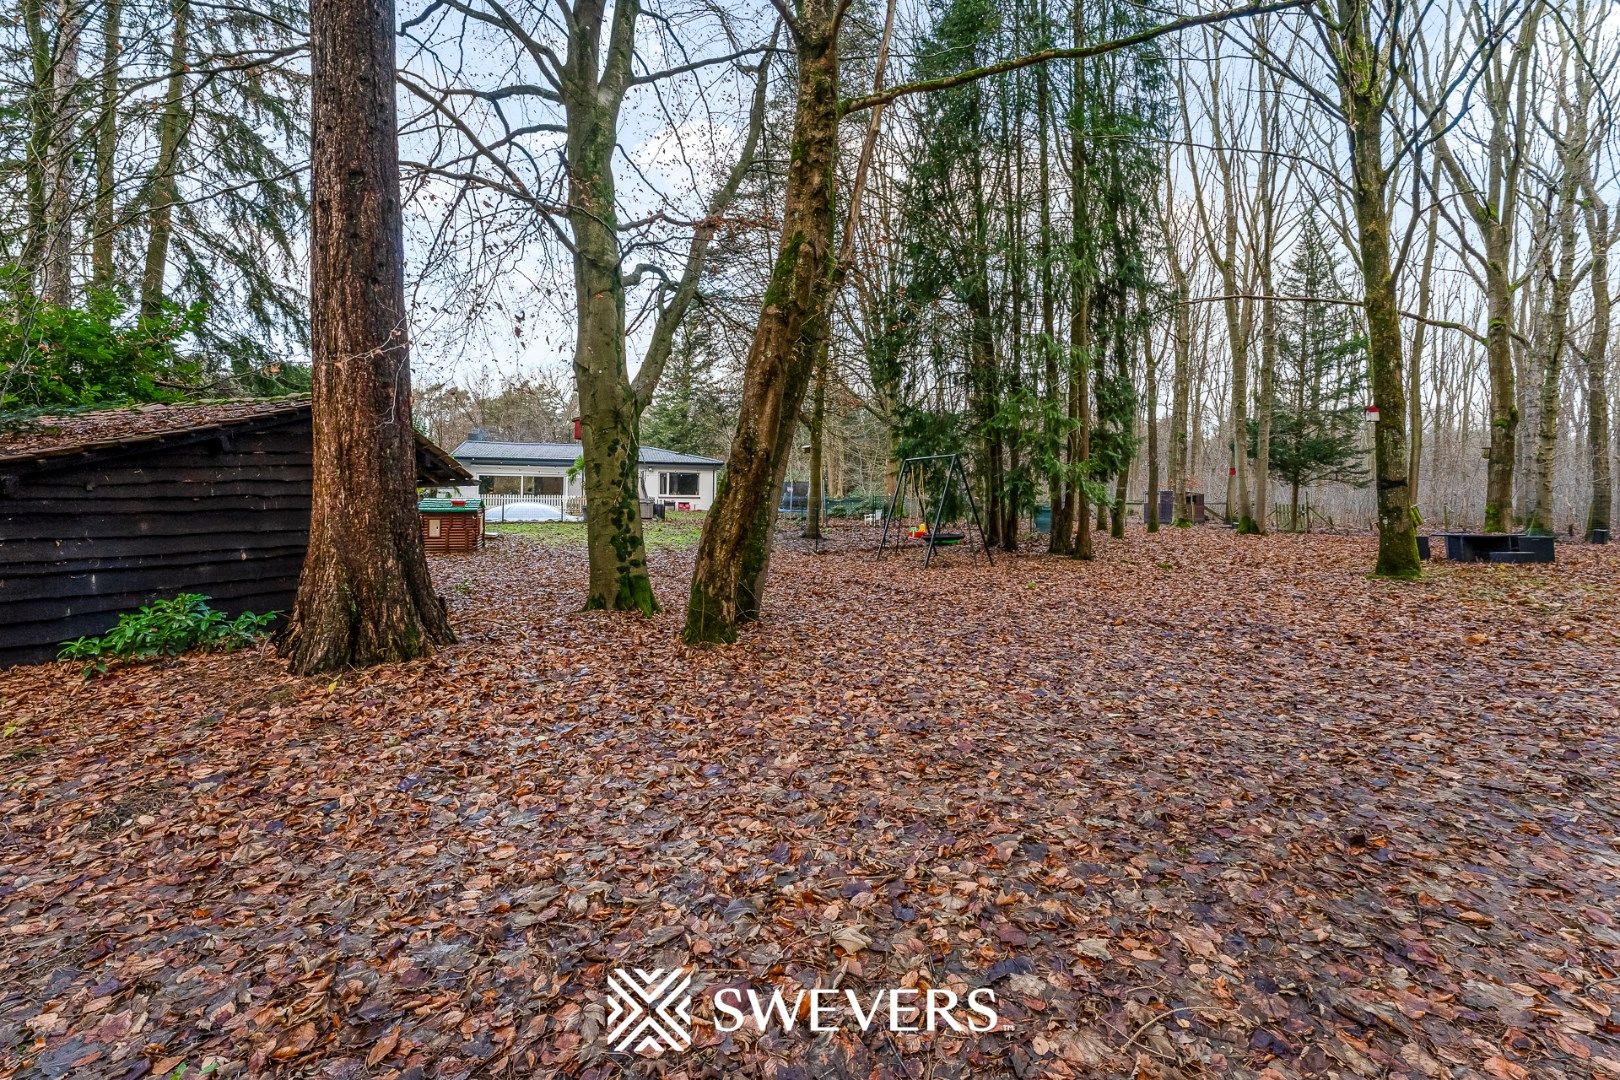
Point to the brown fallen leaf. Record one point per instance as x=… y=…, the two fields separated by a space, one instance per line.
x=298 y=1040
x=382 y=1047
x=1177 y=786
x=1500 y=1067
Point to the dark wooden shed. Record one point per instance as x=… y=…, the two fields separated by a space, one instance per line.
x=103 y=512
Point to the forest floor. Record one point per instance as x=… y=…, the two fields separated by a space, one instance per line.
x=1207 y=806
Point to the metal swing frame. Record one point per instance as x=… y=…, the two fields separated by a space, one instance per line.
x=915 y=467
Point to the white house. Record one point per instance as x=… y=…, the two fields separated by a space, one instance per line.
x=679 y=481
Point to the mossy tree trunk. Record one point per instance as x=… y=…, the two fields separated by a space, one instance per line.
x=587 y=79
x=595 y=76
x=1553 y=341
x=1363 y=83
x=364 y=596
x=818 y=436
x=733 y=555
x=1491 y=202
x=1504 y=406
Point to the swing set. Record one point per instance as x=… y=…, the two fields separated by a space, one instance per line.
x=914 y=471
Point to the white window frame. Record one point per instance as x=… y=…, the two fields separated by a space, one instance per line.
x=664 y=484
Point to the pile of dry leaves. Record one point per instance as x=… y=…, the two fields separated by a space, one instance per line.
x=1209 y=806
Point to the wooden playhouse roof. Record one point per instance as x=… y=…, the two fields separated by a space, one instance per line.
x=49 y=439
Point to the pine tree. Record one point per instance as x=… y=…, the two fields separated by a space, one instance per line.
x=1317 y=412
x=690 y=413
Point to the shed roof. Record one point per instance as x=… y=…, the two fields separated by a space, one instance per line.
x=490 y=452
x=110 y=431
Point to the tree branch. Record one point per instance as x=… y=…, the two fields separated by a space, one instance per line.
x=1443 y=324
x=669 y=318
x=961 y=78
x=695 y=65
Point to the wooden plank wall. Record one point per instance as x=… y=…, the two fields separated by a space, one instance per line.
x=451 y=534
x=83 y=543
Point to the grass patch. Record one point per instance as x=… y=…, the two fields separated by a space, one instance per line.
x=678 y=532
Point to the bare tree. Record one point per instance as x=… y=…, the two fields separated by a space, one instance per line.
x=544 y=137
x=1489 y=190
x=1570 y=131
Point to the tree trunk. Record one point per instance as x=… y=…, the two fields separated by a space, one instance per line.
x=618 y=578
x=985 y=391
x=1504 y=406
x=41 y=92
x=818 y=422
x=1181 y=389
x=1150 y=363
x=1361 y=78
x=1492 y=204
x=365 y=595
x=1079 y=507
x=1116 y=510
x=1010 y=489
x=102 y=226
x=57 y=272
x=1058 y=536
x=1243 y=512
x=1265 y=398
x=1420 y=337
x=1599 y=508
x=165 y=182
x=1079 y=312
x=1562 y=285
x=733 y=555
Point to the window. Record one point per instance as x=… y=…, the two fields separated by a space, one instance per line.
x=500 y=485
x=678 y=483
x=548 y=485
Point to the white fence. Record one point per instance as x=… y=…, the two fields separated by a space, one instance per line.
x=562 y=503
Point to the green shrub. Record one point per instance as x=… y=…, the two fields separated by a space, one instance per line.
x=168 y=628
x=60 y=359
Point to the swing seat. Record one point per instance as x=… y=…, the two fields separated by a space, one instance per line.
x=946 y=539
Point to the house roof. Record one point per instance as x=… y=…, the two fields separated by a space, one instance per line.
x=490 y=452
x=108 y=431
